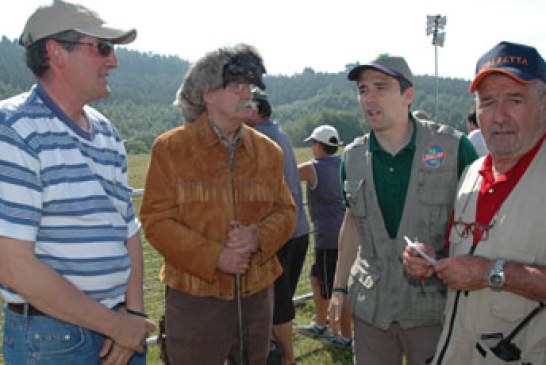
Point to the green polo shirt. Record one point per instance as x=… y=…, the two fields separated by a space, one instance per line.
x=391 y=176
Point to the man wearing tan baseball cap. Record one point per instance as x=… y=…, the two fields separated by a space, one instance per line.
x=61 y=16
x=71 y=263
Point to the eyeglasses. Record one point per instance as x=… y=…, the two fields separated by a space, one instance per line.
x=104 y=47
x=239 y=87
x=476 y=229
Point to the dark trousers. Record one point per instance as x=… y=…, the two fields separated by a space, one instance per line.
x=203 y=330
x=291 y=256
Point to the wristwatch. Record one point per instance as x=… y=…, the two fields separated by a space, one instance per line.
x=496 y=277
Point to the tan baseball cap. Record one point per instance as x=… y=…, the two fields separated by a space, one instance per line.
x=61 y=16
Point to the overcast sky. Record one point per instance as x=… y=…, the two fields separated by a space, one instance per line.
x=323 y=35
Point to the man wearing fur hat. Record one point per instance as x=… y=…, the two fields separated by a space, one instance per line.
x=216 y=206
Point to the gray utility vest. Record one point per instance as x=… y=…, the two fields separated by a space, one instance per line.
x=380 y=291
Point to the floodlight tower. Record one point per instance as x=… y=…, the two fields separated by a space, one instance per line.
x=435 y=26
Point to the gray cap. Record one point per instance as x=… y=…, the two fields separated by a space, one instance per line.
x=391 y=65
x=61 y=16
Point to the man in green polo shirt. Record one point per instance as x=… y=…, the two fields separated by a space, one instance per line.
x=399 y=180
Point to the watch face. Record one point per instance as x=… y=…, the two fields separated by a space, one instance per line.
x=496 y=280
x=496 y=276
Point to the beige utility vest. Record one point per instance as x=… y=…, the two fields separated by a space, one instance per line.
x=380 y=291
x=519 y=235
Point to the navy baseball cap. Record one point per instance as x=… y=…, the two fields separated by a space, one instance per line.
x=518 y=61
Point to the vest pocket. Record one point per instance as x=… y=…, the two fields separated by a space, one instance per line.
x=354 y=193
x=436 y=187
x=435 y=194
x=485 y=352
x=509 y=309
x=362 y=287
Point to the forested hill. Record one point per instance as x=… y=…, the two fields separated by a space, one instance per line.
x=145 y=84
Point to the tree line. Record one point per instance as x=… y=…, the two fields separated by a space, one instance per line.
x=145 y=84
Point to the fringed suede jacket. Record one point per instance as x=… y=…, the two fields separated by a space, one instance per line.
x=193 y=191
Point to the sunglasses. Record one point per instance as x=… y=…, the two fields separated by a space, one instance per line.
x=104 y=47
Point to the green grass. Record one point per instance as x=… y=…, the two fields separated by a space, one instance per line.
x=313 y=352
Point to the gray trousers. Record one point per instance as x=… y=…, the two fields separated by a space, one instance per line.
x=386 y=347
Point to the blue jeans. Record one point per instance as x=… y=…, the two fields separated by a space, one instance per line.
x=43 y=340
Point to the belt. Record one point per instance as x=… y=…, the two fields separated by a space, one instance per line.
x=19 y=308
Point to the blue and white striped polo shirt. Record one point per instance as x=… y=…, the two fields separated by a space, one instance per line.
x=66 y=190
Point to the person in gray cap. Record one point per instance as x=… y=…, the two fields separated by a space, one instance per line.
x=292 y=254
x=399 y=180
x=71 y=262
x=496 y=270
x=217 y=207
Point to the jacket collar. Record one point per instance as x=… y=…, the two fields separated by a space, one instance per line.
x=209 y=139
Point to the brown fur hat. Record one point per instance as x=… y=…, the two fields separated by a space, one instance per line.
x=214 y=70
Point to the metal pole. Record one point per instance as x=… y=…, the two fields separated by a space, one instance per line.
x=243 y=358
x=436 y=68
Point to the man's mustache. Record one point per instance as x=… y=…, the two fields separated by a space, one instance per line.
x=247 y=104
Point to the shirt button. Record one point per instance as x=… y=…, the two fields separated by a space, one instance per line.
x=491 y=191
x=391 y=169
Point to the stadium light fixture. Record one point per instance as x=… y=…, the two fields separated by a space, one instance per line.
x=435 y=27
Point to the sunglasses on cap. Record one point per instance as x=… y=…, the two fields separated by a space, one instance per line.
x=244 y=67
x=104 y=47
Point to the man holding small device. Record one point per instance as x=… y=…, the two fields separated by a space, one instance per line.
x=417 y=249
x=496 y=272
x=400 y=179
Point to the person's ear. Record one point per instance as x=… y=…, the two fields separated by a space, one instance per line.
x=409 y=94
x=208 y=96
x=55 y=52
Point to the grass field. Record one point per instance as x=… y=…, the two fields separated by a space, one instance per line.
x=308 y=351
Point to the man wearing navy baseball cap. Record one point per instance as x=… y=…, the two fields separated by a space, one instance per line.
x=496 y=272
x=398 y=180
x=520 y=62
